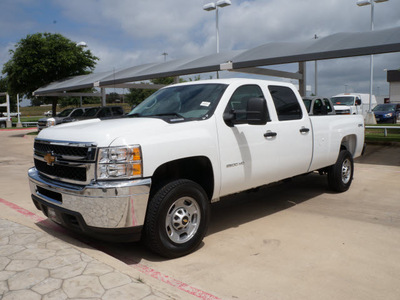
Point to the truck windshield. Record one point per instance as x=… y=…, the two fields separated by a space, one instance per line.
x=343 y=100
x=65 y=113
x=385 y=107
x=196 y=101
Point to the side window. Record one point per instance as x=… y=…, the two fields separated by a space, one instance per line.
x=117 y=111
x=317 y=110
x=328 y=105
x=77 y=113
x=286 y=103
x=105 y=112
x=238 y=101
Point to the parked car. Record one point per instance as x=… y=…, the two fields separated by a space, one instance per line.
x=387 y=112
x=48 y=113
x=101 y=112
x=59 y=118
x=12 y=114
x=316 y=105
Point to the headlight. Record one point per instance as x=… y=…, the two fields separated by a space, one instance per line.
x=50 y=122
x=119 y=163
x=389 y=115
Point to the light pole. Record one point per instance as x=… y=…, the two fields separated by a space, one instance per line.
x=316 y=73
x=81 y=45
x=372 y=3
x=214 y=6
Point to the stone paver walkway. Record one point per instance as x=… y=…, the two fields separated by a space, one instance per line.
x=35 y=265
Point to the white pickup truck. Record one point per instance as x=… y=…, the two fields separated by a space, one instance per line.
x=154 y=173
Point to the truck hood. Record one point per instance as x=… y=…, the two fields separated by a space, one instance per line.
x=341 y=107
x=103 y=133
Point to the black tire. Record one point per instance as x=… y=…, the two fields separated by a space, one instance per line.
x=2 y=125
x=340 y=175
x=177 y=219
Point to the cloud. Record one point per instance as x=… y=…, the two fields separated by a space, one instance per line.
x=125 y=33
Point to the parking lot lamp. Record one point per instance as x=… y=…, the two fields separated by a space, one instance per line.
x=214 y=6
x=372 y=3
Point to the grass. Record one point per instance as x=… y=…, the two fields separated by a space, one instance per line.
x=377 y=135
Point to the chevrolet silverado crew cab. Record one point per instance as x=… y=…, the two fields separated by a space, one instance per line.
x=152 y=174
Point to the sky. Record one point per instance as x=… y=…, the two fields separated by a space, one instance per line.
x=125 y=33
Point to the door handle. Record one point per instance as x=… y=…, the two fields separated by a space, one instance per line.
x=304 y=130
x=270 y=134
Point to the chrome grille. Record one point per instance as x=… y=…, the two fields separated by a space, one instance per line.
x=71 y=162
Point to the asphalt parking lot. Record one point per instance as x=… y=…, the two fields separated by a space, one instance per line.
x=294 y=240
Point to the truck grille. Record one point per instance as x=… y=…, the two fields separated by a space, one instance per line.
x=61 y=149
x=60 y=171
x=70 y=162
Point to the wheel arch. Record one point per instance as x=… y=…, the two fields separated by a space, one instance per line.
x=198 y=169
x=349 y=143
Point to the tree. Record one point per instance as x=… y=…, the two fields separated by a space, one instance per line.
x=113 y=97
x=42 y=58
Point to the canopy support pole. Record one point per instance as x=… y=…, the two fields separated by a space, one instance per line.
x=302 y=81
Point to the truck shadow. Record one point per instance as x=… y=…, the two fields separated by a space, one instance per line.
x=229 y=212
x=233 y=211
x=381 y=154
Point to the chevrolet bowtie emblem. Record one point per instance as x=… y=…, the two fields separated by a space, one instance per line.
x=50 y=159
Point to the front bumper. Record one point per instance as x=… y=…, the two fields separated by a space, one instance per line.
x=97 y=209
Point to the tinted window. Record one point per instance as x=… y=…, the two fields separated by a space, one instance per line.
x=91 y=112
x=328 y=105
x=117 y=111
x=77 y=113
x=317 y=109
x=65 y=113
x=286 y=103
x=239 y=99
x=105 y=112
x=307 y=103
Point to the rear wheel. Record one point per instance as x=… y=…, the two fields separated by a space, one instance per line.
x=2 y=125
x=177 y=219
x=340 y=175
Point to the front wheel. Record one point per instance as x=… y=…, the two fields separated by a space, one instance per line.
x=340 y=175
x=177 y=219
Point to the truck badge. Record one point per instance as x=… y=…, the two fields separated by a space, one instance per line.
x=50 y=159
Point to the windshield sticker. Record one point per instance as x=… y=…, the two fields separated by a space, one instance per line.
x=205 y=103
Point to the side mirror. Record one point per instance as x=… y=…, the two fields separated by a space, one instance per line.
x=257 y=113
x=358 y=101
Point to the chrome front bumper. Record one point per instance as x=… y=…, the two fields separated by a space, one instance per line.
x=108 y=205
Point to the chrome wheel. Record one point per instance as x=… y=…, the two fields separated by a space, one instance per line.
x=346 y=171
x=182 y=220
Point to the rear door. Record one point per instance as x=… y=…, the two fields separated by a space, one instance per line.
x=294 y=139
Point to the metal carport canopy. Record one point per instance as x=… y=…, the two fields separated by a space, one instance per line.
x=338 y=45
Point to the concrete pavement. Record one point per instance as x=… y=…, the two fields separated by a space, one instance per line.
x=35 y=265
